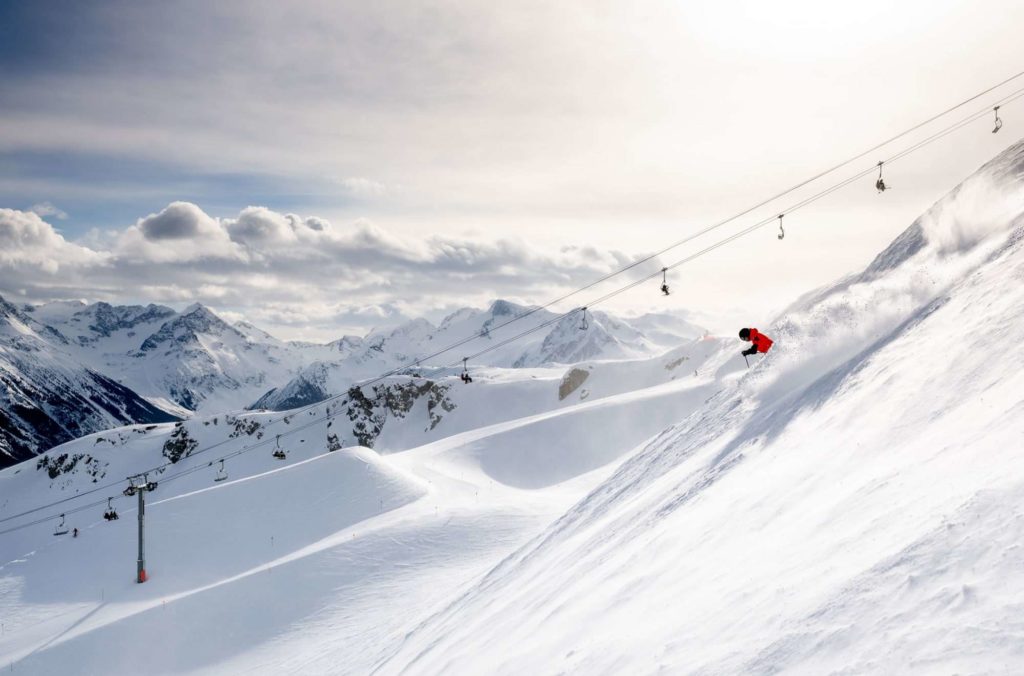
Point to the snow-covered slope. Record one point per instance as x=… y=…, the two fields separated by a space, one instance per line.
x=852 y=505
x=187 y=361
x=71 y=369
x=348 y=540
x=203 y=363
x=48 y=397
x=101 y=328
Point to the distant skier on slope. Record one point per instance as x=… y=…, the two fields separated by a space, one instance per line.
x=761 y=342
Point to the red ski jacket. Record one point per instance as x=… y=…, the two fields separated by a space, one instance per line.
x=760 y=341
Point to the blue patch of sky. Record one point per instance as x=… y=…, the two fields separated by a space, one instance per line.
x=104 y=191
x=107 y=190
x=78 y=36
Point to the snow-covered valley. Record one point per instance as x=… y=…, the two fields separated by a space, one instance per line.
x=849 y=504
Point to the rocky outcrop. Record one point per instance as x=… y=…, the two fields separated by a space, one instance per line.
x=571 y=382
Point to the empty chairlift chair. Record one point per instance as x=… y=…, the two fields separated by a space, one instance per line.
x=61 y=529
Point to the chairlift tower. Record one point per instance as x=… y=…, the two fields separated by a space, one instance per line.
x=140 y=485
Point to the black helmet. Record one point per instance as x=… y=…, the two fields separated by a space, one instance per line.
x=744 y=334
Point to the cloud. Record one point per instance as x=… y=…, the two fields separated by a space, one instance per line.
x=259 y=224
x=179 y=220
x=362 y=187
x=181 y=232
x=28 y=242
x=46 y=209
x=304 y=274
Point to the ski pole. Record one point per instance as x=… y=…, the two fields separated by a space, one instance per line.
x=746 y=360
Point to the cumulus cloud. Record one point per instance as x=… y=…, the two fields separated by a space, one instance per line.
x=180 y=232
x=28 y=242
x=300 y=275
x=179 y=220
x=259 y=224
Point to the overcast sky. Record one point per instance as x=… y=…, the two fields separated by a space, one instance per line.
x=320 y=168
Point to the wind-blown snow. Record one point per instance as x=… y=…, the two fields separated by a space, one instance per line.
x=851 y=504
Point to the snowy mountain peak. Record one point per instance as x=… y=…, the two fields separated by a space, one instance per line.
x=346 y=344
x=197 y=308
x=202 y=318
x=8 y=309
x=196 y=319
x=458 y=316
x=104 y=319
x=506 y=309
x=403 y=338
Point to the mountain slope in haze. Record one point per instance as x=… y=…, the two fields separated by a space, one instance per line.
x=564 y=342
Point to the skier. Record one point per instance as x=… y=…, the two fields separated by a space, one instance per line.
x=761 y=342
x=74 y=533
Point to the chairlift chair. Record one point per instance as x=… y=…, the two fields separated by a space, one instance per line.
x=880 y=185
x=278 y=451
x=664 y=281
x=111 y=513
x=61 y=529
x=222 y=473
x=999 y=122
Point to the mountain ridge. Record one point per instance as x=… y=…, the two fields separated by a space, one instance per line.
x=167 y=364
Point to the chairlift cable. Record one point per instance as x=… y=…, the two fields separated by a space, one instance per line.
x=1013 y=96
